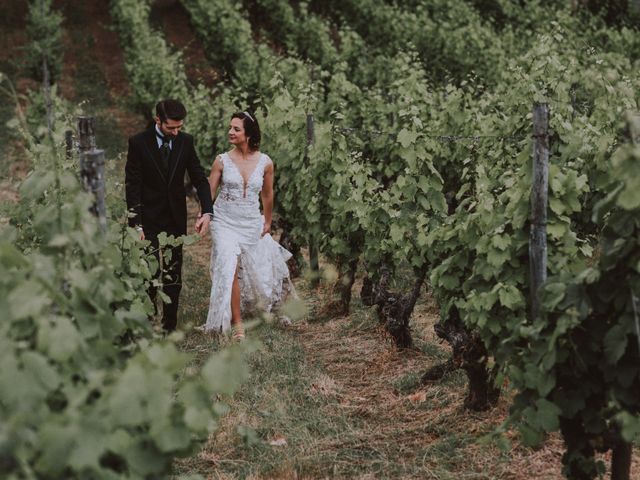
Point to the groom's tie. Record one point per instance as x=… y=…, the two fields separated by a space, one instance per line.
x=165 y=152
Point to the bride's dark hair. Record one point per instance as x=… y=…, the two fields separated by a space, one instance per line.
x=251 y=128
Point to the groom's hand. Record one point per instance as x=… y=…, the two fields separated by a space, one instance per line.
x=202 y=224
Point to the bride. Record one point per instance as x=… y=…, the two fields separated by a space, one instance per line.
x=248 y=269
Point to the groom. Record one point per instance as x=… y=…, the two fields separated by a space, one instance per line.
x=154 y=183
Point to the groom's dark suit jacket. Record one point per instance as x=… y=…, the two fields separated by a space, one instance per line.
x=156 y=196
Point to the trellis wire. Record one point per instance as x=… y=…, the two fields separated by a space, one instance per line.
x=445 y=138
x=635 y=315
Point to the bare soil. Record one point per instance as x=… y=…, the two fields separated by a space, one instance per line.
x=175 y=24
x=89 y=38
x=13 y=162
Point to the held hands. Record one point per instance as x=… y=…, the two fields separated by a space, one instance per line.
x=202 y=224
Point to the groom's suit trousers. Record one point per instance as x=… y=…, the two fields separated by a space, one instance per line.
x=170 y=276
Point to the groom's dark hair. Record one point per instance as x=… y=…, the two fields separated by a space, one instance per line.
x=170 y=109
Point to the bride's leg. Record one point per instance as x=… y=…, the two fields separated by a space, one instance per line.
x=235 y=300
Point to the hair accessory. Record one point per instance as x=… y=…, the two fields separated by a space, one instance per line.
x=248 y=115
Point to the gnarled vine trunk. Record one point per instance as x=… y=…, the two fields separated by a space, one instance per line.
x=288 y=242
x=578 y=459
x=344 y=285
x=470 y=355
x=621 y=461
x=366 y=292
x=395 y=309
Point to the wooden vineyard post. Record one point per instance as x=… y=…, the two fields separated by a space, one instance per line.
x=46 y=88
x=86 y=133
x=68 y=143
x=310 y=130
x=92 y=169
x=313 y=251
x=621 y=461
x=633 y=120
x=622 y=451
x=539 y=202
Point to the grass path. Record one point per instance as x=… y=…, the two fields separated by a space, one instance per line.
x=329 y=397
x=13 y=165
x=172 y=19
x=333 y=398
x=93 y=74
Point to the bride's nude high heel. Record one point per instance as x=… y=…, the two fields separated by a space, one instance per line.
x=237 y=332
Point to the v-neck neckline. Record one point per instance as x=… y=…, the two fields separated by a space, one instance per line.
x=245 y=183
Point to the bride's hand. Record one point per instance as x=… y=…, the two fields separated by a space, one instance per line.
x=202 y=224
x=266 y=229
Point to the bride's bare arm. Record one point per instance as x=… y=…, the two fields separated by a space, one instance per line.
x=214 y=176
x=267 y=197
x=202 y=222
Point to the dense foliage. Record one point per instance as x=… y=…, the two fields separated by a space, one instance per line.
x=44 y=49
x=421 y=161
x=87 y=390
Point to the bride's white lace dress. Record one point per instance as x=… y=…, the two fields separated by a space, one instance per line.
x=235 y=230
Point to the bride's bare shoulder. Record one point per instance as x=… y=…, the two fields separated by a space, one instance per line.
x=267 y=159
x=217 y=162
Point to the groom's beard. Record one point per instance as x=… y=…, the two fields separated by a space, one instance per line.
x=169 y=137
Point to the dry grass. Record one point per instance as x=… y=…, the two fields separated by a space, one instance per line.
x=333 y=398
x=423 y=427
x=329 y=397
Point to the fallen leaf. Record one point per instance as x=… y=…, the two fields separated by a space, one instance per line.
x=417 y=397
x=209 y=457
x=278 y=442
x=324 y=386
